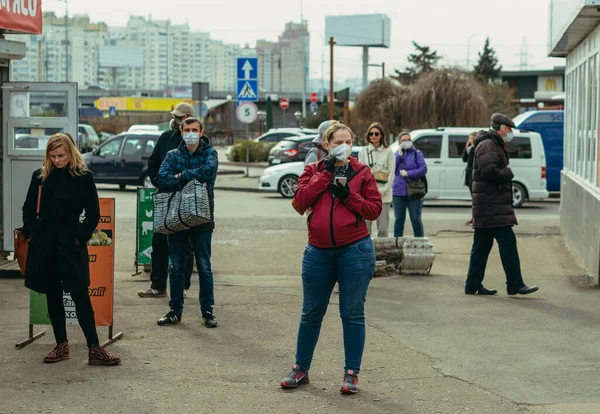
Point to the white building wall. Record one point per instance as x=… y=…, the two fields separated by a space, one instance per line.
x=580 y=192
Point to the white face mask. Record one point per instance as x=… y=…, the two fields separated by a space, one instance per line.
x=509 y=137
x=406 y=145
x=341 y=152
x=191 y=138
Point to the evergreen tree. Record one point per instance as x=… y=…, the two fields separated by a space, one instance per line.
x=423 y=61
x=487 y=69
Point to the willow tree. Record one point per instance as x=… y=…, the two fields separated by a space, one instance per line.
x=382 y=101
x=446 y=98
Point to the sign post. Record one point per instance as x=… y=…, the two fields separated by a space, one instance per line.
x=247 y=92
x=247 y=113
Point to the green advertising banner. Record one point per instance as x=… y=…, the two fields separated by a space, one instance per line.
x=145 y=224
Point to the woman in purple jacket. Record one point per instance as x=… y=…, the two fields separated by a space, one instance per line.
x=410 y=166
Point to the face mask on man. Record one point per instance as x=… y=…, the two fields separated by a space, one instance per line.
x=509 y=137
x=341 y=152
x=191 y=138
x=406 y=145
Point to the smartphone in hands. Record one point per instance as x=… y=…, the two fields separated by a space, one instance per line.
x=341 y=181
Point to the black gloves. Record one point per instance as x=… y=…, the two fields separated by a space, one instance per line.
x=330 y=163
x=340 y=191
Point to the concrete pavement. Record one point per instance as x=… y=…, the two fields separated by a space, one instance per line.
x=430 y=348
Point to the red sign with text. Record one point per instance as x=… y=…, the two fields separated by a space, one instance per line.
x=313 y=97
x=21 y=16
x=284 y=103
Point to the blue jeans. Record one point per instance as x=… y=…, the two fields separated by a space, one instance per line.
x=178 y=250
x=415 y=208
x=353 y=267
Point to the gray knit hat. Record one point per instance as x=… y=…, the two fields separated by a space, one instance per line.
x=322 y=128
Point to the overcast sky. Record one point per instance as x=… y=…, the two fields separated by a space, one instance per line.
x=444 y=25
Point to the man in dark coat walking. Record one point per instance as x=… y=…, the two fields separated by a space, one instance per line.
x=168 y=141
x=493 y=213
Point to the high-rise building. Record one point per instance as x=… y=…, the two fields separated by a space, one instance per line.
x=294 y=43
x=49 y=55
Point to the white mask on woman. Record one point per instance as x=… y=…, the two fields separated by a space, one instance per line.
x=341 y=152
x=406 y=145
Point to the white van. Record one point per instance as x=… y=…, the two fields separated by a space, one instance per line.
x=443 y=149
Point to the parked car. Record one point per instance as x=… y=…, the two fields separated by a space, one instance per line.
x=551 y=126
x=143 y=128
x=123 y=159
x=443 y=148
x=88 y=138
x=277 y=134
x=291 y=149
x=283 y=178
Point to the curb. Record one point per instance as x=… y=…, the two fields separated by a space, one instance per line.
x=239 y=189
x=243 y=164
x=231 y=172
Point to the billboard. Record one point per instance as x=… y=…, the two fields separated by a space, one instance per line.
x=121 y=57
x=21 y=16
x=371 y=30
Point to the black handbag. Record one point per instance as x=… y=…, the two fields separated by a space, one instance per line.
x=417 y=189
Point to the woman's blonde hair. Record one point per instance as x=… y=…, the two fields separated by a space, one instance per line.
x=335 y=128
x=76 y=163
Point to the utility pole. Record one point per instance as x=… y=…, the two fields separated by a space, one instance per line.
x=331 y=98
x=67 y=40
x=304 y=40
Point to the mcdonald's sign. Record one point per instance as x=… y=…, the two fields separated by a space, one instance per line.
x=550 y=85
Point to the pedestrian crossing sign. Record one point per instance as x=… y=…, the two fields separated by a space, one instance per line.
x=247 y=90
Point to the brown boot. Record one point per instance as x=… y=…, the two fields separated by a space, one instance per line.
x=59 y=353
x=99 y=356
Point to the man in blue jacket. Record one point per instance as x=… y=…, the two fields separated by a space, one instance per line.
x=168 y=141
x=194 y=159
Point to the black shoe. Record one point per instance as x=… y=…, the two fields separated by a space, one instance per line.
x=170 y=318
x=296 y=377
x=524 y=290
x=209 y=320
x=481 y=291
x=350 y=385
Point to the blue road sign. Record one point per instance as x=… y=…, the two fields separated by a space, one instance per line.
x=112 y=111
x=204 y=110
x=247 y=68
x=247 y=90
x=247 y=79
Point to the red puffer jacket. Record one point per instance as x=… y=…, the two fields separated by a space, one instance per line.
x=334 y=223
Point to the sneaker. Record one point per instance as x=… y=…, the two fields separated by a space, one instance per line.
x=170 y=318
x=152 y=293
x=59 y=353
x=209 y=320
x=296 y=377
x=185 y=293
x=350 y=385
x=99 y=356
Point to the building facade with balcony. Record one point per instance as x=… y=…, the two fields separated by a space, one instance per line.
x=575 y=35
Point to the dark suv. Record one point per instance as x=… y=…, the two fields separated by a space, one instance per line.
x=123 y=159
x=291 y=149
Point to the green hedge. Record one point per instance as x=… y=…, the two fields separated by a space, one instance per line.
x=259 y=152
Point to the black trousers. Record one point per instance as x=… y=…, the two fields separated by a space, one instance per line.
x=56 y=309
x=483 y=240
x=160 y=263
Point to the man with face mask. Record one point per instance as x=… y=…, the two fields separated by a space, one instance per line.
x=168 y=141
x=493 y=213
x=194 y=159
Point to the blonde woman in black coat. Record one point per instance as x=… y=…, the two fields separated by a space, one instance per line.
x=58 y=258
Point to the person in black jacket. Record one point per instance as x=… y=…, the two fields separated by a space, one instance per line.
x=168 y=141
x=57 y=257
x=493 y=213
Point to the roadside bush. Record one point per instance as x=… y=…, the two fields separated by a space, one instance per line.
x=259 y=151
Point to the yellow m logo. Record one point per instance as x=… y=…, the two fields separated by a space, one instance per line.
x=551 y=85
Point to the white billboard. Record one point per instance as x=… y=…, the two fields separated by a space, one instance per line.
x=371 y=30
x=121 y=57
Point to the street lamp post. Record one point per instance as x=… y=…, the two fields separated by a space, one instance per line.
x=469 y=50
x=299 y=117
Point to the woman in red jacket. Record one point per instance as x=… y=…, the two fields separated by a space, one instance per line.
x=342 y=194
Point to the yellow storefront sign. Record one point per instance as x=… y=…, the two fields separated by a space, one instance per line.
x=139 y=104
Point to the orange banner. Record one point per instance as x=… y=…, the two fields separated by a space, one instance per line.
x=102 y=254
x=21 y=16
